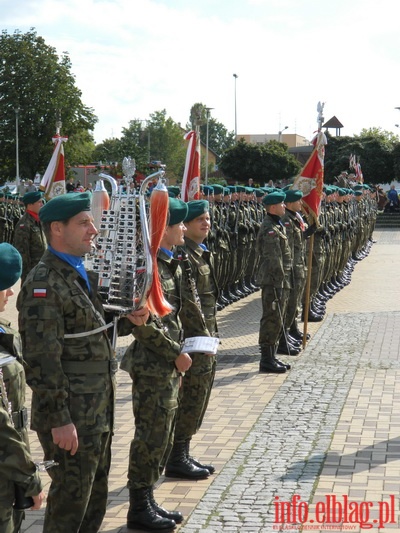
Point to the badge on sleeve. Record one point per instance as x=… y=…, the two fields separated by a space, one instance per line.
x=39 y=293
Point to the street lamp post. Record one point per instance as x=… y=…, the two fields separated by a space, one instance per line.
x=16 y=109
x=208 y=109
x=280 y=133
x=235 y=76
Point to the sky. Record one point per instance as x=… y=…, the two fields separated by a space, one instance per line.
x=132 y=58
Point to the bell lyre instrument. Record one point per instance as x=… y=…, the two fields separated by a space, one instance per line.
x=122 y=257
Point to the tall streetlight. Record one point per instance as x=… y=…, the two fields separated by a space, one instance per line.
x=16 y=109
x=208 y=109
x=236 y=77
x=280 y=133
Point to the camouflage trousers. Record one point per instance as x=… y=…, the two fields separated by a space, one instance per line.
x=194 y=395
x=274 y=305
x=154 y=402
x=77 y=498
x=10 y=519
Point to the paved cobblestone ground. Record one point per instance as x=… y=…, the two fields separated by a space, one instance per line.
x=329 y=427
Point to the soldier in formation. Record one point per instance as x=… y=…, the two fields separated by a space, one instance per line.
x=156 y=364
x=29 y=238
x=19 y=478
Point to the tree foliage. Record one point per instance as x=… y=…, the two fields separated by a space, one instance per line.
x=374 y=148
x=219 y=138
x=157 y=139
x=34 y=80
x=261 y=162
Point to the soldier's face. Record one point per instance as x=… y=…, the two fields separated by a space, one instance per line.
x=173 y=236
x=198 y=228
x=76 y=237
x=4 y=295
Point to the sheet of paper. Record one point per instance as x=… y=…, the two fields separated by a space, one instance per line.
x=201 y=344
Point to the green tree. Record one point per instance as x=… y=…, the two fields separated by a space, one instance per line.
x=219 y=138
x=374 y=148
x=34 y=80
x=262 y=162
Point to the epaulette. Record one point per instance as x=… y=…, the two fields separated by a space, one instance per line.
x=41 y=272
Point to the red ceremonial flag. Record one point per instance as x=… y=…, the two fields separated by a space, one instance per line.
x=310 y=181
x=191 y=175
x=53 y=181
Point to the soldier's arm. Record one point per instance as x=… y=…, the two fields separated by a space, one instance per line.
x=22 y=244
x=16 y=463
x=41 y=325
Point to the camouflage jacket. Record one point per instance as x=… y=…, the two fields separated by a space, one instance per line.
x=275 y=256
x=70 y=362
x=16 y=465
x=206 y=284
x=30 y=241
x=296 y=243
x=13 y=374
x=158 y=343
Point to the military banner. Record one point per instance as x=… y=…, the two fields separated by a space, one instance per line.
x=53 y=181
x=191 y=176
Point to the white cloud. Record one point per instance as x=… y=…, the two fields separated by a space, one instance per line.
x=132 y=58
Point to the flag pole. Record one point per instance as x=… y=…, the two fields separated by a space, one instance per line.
x=320 y=120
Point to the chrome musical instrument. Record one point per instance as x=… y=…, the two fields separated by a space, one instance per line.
x=122 y=257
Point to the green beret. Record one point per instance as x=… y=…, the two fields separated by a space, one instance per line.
x=293 y=195
x=240 y=188
x=358 y=187
x=249 y=190
x=207 y=189
x=274 y=198
x=171 y=194
x=32 y=197
x=65 y=206
x=177 y=211
x=10 y=266
x=196 y=208
x=174 y=189
x=232 y=188
x=357 y=193
x=259 y=193
x=218 y=189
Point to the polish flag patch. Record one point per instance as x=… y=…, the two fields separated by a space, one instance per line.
x=39 y=293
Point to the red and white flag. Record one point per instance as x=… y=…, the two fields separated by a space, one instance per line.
x=191 y=176
x=53 y=181
x=310 y=181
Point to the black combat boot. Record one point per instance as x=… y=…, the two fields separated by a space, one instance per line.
x=176 y=516
x=142 y=515
x=286 y=347
x=296 y=333
x=194 y=461
x=179 y=465
x=268 y=362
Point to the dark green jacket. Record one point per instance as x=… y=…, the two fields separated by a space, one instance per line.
x=30 y=241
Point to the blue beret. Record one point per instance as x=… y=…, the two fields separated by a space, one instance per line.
x=32 y=197
x=293 y=195
x=177 y=211
x=65 y=206
x=10 y=266
x=274 y=198
x=196 y=208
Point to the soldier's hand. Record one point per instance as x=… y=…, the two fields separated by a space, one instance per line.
x=38 y=500
x=183 y=362
x=139 y=317
x=66 y=438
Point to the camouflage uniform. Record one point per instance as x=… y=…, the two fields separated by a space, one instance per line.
x=71 y=370
x=30 y=241
x=13 y=379
x=274 y=277
x=150 y=361
x=198 y=380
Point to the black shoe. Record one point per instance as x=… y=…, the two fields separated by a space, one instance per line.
x=179 y=465
x=176 y=516
x=194 y=461
x=141 y=514
x=268 y=362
